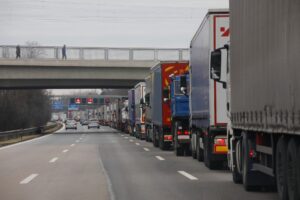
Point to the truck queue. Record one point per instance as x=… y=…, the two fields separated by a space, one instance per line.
x=243 y=114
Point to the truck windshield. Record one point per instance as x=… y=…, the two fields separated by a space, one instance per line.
x=177 y=90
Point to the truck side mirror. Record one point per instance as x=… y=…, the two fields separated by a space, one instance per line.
x=183 y=84
x=218 y=65
x=147 y=99
x=165 y=94
x=142 y=101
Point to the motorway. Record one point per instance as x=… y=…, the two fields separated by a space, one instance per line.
x=106 y=164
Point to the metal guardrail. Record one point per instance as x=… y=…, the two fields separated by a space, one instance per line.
x=20 y=133
x=96 y=53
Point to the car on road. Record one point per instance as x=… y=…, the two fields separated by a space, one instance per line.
x=71 y=124
x=85 y=123
x=93 y=124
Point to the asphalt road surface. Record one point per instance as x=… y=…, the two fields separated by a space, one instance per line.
x=107 y=164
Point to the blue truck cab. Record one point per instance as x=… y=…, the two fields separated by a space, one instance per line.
x=179 y=101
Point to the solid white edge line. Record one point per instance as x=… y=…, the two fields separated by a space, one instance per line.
x=53 y=160
x=146 y=149
x=187 y=175
x=65 y=151
x=159 y=158
x=138 y=144
x=28 y=179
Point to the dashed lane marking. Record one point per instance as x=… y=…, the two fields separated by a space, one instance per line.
x=138 y=144
x=65 y=151
x=29 y=178
x=72 y=145
x=53 y=160
x=146 y=149
x=187 y=175
x=159 y=158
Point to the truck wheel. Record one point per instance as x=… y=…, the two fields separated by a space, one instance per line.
x=193 y=146
x=237 y=164
x=155 y=142
x=162 y=144
x=292 y=170
x=246 y=163
x=179 y=151
x=281 y=168
x=199 y=151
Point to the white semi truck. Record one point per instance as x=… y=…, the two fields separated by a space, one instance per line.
x=260 y=69
x=207 y=97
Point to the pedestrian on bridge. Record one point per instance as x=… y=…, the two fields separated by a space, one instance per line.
x=64 y=52
x=18 y=52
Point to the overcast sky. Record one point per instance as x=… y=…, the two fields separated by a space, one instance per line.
x=104 y=23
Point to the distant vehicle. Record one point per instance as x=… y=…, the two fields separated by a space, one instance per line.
x=208 y=119
x=93 y=124
x=160 y=102
x=139 y=95
x=85 y=123
x=180 y=114
x=131 y=112
x=71 y=124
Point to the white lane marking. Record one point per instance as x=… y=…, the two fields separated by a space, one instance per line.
x=122 y=135
x=53 y=160
x=146 y=149
x=77 y=141
x=28 y=179
x=65 y=151
x=72 y=145
x=126 y=137
x=131 y=140
x=137 y=144
x=189 y=176
x=159 y=158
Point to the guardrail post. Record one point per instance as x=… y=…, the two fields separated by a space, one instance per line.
x=56 y=53
x=81 y=55
x=155 y=55
x=180 y=54
x=105 y=54
x=130 y=54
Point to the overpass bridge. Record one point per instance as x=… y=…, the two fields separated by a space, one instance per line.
x=85 y=67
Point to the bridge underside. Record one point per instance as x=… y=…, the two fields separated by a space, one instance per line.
x=66 y=84
x=51 y=74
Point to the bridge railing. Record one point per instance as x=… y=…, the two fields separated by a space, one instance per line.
x=96 y=53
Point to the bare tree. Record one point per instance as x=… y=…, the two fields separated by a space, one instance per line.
x=33 y=50
x=23 y=109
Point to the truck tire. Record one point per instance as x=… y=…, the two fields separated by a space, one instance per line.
x=281 y=168
x=194 y=150
x=292 y=170
x=250 y=179
x=179 y=151
x=207 y=155
x=162 y=144
x=155 y=142
x=199 y=151
x=237 y=164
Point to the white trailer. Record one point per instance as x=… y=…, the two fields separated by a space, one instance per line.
x=264 y=93
x=208 y=117
x=139 y=91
